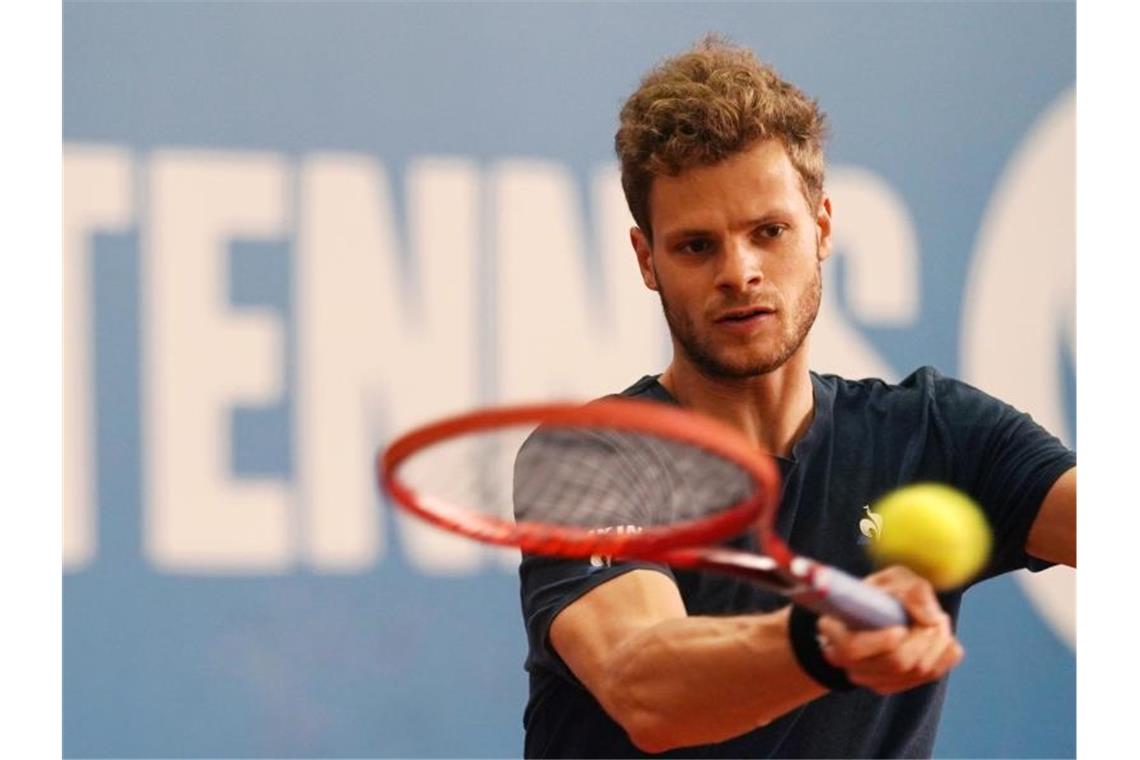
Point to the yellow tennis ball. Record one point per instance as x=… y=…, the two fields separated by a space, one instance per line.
x=935 y=530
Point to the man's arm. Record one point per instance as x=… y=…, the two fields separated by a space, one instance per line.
x=671 y=680
x=1053 y=535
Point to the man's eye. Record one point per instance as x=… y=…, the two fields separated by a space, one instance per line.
x=772 y=230
x=696 y=246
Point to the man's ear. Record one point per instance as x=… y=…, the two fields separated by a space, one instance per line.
x=644 y=251
x=823 y=226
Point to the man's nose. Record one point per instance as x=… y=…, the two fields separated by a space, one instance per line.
x=741 y=267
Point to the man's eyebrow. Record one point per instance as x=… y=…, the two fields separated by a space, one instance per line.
x=771 y=217
x=686 y=233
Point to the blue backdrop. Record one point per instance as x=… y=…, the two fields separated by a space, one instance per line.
x=213 y=150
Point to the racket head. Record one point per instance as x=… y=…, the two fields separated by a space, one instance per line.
x=673 y=435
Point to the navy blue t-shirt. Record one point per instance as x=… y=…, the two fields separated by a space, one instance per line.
x=866 y=438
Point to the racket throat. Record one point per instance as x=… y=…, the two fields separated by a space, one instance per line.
x=758 y=569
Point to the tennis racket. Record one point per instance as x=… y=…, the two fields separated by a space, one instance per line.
x=616 y=479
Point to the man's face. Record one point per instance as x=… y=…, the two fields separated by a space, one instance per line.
x=736 y=260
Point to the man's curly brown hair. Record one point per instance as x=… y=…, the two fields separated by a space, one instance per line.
x=704 y=105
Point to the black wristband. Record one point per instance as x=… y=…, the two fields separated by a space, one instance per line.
x=804 y=635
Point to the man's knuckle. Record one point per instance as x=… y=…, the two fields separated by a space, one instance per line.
x=924 y=671
x=898 y=662
x=895 y=636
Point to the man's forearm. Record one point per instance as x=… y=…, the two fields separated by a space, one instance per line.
x=698 y=680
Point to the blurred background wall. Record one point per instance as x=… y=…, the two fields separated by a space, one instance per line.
x=292 y=230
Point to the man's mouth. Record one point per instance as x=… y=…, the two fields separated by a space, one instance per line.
x=744 y=322
x=743 y=315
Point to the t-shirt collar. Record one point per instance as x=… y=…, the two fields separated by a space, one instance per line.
x=823 y=394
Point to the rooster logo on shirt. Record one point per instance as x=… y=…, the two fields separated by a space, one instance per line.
x=870 y=526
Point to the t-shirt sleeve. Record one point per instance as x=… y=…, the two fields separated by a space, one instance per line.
x=600 y=480
x=548 y=586
x=1005 y=461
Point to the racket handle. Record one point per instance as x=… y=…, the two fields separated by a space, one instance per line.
x=853 y=601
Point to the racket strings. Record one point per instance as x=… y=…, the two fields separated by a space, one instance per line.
x=582 y=477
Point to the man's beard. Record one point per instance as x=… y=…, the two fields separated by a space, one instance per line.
x=701 y=351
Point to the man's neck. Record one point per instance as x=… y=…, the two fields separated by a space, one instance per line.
x=773 y=410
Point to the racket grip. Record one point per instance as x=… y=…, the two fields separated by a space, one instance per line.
x=853 y=601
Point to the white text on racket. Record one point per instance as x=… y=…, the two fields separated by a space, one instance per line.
x=601 y=560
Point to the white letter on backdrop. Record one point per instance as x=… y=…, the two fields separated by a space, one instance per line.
x=201 y=358
x=381 y=345
x=1017 y=320
x=97 y=197
x=873 y=231
x=567 y=326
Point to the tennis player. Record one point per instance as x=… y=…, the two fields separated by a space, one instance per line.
x=723 y=169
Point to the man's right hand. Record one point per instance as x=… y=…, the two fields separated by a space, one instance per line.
x=895 y=659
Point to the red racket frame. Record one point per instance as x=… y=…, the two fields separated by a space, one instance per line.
x=689 y=544
x=628 y=415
